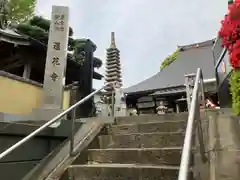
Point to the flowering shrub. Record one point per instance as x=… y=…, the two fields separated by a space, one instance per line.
x=230 y=34
x=235 y=55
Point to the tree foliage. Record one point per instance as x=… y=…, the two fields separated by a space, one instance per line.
x=19 y=11
x=168 y=60
x=38 y=28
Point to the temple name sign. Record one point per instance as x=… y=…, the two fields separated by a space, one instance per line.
x=55 y=68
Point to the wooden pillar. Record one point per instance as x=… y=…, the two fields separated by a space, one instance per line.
x=27 y=71
x=177 y=108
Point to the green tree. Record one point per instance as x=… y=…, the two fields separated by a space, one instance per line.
x=168 y=60
x=38 y=28
x=20 y=11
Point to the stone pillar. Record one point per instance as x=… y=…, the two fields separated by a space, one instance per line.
x=55 y=67
x=120 y=105
x=177 y=108
x=27 y=71
x=189 y=83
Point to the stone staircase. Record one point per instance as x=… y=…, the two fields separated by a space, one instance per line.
x=133 y=148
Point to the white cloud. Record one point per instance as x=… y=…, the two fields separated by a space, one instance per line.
x=146 y=31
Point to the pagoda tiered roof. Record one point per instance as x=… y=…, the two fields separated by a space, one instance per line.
x=113 y=66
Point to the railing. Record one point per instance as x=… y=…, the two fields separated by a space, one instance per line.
x=195 y=96
x=52 y=121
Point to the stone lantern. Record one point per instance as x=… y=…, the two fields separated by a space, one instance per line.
x=161 y=109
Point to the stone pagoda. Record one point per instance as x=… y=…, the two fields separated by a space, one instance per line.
x=113 y=66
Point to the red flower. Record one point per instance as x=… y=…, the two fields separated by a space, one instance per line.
x=235 y=55
x=230 y=33
x=234 y=11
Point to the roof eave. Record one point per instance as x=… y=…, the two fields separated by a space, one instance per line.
x=206 y=81
x=152 y=90
x=10 y=36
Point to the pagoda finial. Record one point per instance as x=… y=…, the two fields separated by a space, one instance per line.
x=113 y=43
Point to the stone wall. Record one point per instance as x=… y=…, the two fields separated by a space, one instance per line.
x=201 y=167
x=224 y=146
x=221 y=133
x=17 y=164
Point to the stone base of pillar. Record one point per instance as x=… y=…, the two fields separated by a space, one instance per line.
x=44 y=114
x=6 y=117
x=119 y=111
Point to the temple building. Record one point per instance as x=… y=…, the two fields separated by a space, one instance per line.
x=113 y=66
x=168 y=86
x=22 y=66
x=25 y=57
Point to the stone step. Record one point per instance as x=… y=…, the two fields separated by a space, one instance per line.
x=151 y=118
x=122 y=172
x=165 y=126
x=145 y=140
x=153 y=156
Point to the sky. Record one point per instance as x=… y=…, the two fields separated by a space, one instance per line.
x=146 y=31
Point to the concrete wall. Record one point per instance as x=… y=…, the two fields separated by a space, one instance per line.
x=23 y=159
x=221 y=132
x=19 y=96
x=202 y=168
x=224 y=146
x=17 y=164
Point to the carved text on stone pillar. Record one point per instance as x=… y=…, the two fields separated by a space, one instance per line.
x=56 y=58
x=55 y=61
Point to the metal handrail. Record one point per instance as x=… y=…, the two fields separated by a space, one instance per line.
x=194 y=113
x=52 y=121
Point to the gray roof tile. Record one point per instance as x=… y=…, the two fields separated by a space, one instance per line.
x=188 y=61
x=12 y=33
x=170 y=91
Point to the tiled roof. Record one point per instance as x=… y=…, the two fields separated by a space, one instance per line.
x=190 y=58
x=12 y=33
x=167 y=91
x=10 y=36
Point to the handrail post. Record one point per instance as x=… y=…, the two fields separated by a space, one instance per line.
x=184 y=166
x=73 y=117
x=202 y=89
x=200 y=130
x=194 y=115
x=189 y=83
